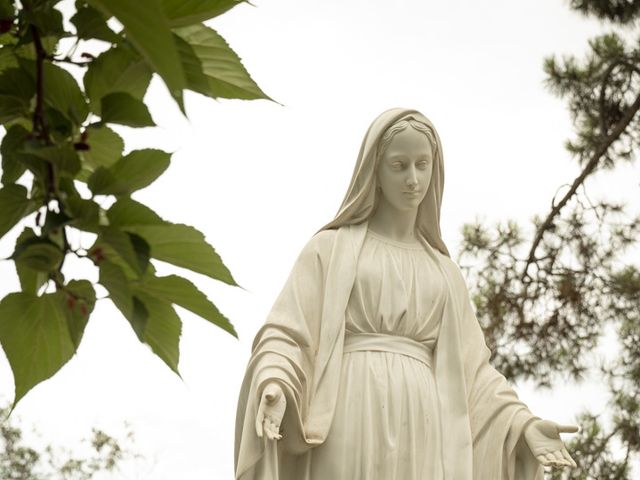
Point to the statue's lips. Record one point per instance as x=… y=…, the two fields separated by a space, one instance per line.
x=412 y=193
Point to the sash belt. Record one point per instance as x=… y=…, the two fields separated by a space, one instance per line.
x=382 y=342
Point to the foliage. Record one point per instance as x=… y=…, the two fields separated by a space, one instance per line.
x=19 y=461
x=62 y=163
x=548 y=301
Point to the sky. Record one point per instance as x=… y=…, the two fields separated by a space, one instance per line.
x=258 y=178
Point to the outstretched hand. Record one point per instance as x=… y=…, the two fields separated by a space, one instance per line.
x=543 y=438
x=270 y=412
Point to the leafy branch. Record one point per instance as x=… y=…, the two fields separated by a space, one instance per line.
x=58 y=143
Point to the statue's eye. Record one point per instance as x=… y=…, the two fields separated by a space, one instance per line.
x=423 y=164
x=396 y=165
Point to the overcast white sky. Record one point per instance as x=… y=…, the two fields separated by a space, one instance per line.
x=259 y=179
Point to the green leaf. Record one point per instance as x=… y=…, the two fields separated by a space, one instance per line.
x=227 y=77
x=105 y=149
x=14 y=205
x=38 y=254
x=11 y=108
x=132 y=172
x=132 y=248
x=7 y=58
x=162 y=330
x=12 y=144
x=85 y=214
x=127 y=212
x=182 y=292
x=188 y=12
x=90 y=24
x=119 y=69
x=61 y=91
x=178 y=244
x=80 y=299
x=48 y=20
x=35 y=338
x=113 y=278
x=30 y=280
x=186 y=247
x=147 y=28
x=122 y=108
x=16 y=82
x=63 y=156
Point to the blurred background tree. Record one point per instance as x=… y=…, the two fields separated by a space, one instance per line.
x=547 y=299
x=22 y=461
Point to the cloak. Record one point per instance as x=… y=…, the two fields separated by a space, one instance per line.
x=301 y=347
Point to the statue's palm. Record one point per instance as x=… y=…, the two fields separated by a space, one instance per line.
x=543 y=438
x=270 y=412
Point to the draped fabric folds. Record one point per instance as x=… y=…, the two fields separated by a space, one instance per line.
x=301 y=347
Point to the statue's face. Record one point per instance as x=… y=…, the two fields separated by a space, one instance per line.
x=406 y=166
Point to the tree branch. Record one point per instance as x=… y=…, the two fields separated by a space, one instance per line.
x=588 y=169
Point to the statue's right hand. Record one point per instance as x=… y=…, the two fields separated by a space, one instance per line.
x=270 y=412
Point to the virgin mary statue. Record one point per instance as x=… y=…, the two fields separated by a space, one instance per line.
x=371 y=364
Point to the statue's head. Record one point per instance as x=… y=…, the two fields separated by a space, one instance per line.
x=397 y=132
x=405 y=157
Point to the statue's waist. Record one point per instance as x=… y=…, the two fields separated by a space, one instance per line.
x=382 y=342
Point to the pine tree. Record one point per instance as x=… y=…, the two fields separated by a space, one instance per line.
x=546 y=301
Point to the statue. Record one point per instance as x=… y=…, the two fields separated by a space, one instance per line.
x=372 y=364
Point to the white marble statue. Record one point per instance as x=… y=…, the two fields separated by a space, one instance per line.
x=371 y=364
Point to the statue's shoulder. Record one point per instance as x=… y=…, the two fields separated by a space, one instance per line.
x=322 y=242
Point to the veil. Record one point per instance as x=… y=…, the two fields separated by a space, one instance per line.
x=360 y=201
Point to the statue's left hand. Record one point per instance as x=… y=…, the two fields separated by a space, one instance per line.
x=543 y=438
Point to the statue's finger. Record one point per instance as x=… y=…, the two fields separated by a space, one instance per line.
x=551 y=460
x=568 y=428
x=541 y=458
x=571 y=461
x=560 y=460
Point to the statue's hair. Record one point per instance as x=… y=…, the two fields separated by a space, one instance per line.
x=401 y=125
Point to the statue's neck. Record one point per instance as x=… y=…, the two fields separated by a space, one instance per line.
x=393 y=223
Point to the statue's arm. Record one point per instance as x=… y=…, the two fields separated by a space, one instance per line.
x=287 y=342
x=488 y=385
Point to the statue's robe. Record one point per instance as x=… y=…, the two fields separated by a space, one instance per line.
x=301 y=347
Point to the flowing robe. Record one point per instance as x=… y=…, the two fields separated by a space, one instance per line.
x=301 y=347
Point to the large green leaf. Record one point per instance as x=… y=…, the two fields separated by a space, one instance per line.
x=30 y=280
x=226 y=75
x=119 y=69
x=122 y=108
x=11 y=108
x=38 y=254
x=35 y=338
x=12 y=145
x=14 y=205
x=127 y=212
x=105 y=149
x=162 y=330
x=132 y=172
x=85 y=214
x=63 y=156
x=182 y=292
x=133 y=249
x=178 y=244
x=80 y=298
x=18 y=83
x=63 y=93
x=188 y=12
x=186 y=247
x=90 y=24
x=147 y=28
